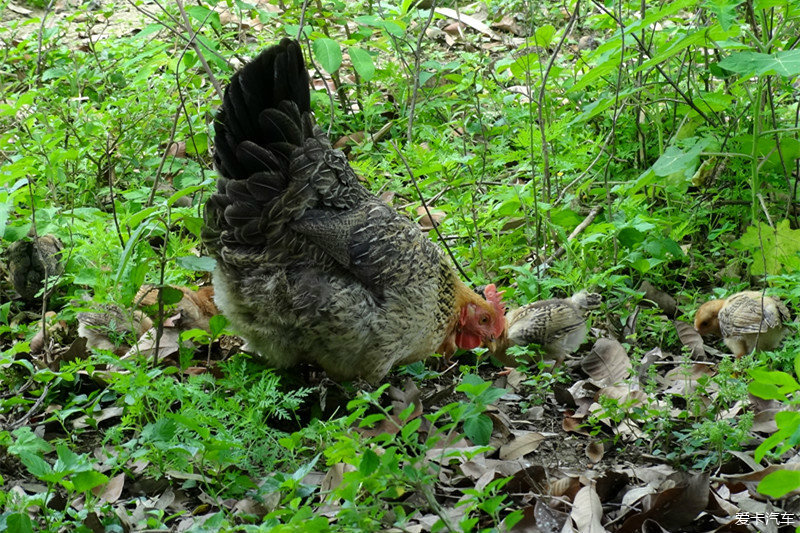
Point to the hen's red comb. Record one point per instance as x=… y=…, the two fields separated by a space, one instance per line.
x=495 y=297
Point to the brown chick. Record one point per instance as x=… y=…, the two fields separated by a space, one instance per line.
x=112 y=329
x=745 y=321
x=195 y=308
x=30 y=262
x=556 y=324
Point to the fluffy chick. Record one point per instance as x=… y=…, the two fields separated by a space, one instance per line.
x=112 y=329
x=30 y=262
x=745 y=321
x=556 y=324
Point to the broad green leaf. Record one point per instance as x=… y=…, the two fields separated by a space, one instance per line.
x=37 y=466
x=217 y=324
x=630 y=237
x=725 y=10
x=18 y=523
x=369 y=463
x=198 y=264
x=774 y=250
x=779 y=483
x=183 y=192
x=544 y=35
x=478 y=429
x=362 y=62
x=774 y=377
x=785 y=63
x=328 y=53
x=88 y=479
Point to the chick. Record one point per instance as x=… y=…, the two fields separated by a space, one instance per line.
x=745 y=321
x=556 y=324
x=112 y=329
x=30 y=262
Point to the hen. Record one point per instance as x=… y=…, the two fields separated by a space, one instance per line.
x=745 y=321
x=557 y=324
x=311 y=267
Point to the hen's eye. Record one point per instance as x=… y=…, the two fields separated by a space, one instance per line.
x=484 y=319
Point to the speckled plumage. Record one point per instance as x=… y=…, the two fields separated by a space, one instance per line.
x=745 y=321
x=311 y=266
x=30 y=262
x=556 y=324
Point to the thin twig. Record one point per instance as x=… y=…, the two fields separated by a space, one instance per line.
x=427 y=211
x=193 y=42
x=577 y=231
x=415 y=73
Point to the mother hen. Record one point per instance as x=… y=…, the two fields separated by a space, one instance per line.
x=311 y=266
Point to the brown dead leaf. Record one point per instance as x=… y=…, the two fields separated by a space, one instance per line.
x=587 y=511
x=607 y=362
x=507 y=24
x=168 y=344
x=111 y=491
x=472 y=22
x=595 y=451
x=661 y=299
x=335 y=476
x=675 y=507
x=522 y=445
x=574 y=425
x=177 y=149
x=690 y=338
x=764 y=421
x=531 y=478
x=354 y=138
x=624 y=395
x=104 y=414
x=387 y=197
x=429 y=222
x=566 y=487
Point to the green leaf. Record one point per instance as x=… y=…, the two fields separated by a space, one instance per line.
x=369 y=463
x=328 y=53
x=37 y=466
x=774 y=377
x=217 y=324
x=27 y=442
x=630 y=237
x=184 y=192
x=478 y=429
x=19 y=523
x=163 y=430
x=53 y=73
x=362 y=62
x=87 y=480
x=779 y=483
x=785 y=63
x=171 y=295
x=198 y=264
x=774 y=250
x=544 y=35
x=725 y=10
x=675 y=160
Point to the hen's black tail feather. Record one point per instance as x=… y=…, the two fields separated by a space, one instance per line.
x=265 y=116
x=260 y=118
